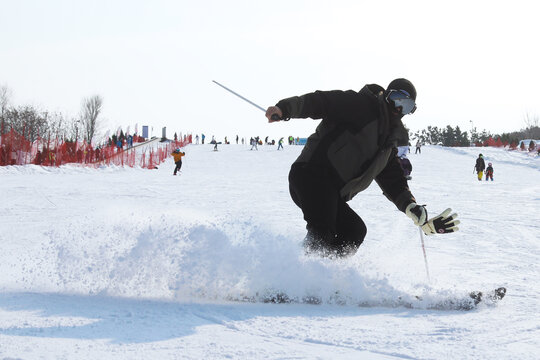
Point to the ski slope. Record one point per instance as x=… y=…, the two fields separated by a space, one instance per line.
x=122 y=263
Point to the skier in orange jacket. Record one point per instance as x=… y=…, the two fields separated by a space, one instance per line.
x=177 y=154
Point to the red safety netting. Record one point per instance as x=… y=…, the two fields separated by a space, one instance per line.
x=15 y=149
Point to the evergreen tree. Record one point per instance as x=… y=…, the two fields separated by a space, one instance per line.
x=461 y=137
x=448 y=137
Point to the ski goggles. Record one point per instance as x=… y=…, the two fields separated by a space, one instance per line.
x=401 y=98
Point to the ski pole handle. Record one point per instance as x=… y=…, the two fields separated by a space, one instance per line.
x=275 y=117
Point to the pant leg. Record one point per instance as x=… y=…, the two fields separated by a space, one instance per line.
x=350 y=230
x=334 y=229
x=312 y=192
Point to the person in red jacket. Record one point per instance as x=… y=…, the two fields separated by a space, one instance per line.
x=489 y=172
x=177 y=155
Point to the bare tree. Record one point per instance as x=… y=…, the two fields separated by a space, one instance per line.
x=531 y=120
x=532 y=130
x=25 y=120
x=90 y=112
x=5 y=95
x=58 y=126
x=75 y=129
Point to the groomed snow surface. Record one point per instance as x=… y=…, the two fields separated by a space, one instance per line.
x=122 y=263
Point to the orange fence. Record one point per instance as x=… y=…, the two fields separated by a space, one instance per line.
x=15 y=149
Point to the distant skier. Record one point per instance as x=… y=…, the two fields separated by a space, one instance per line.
x=215 y=143
x=354 y=144
x=177 y=155
x=253 y=142
x=418 y=147
x=480 y=166
x=404 y=161
x=489 y=172
x=280 y=144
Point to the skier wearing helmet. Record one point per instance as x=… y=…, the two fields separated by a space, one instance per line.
x=489 y=172
x=177 y=155
x=354 y=144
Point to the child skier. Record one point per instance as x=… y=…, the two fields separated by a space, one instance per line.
x=489 y=172
x=177 y=154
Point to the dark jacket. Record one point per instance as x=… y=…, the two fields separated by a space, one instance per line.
x=480 y=164
x=355 y=143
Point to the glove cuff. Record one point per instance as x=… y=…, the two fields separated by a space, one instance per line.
x=409 y=207
x=417 y=213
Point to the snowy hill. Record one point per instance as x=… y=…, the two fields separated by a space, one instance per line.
x=133 y=263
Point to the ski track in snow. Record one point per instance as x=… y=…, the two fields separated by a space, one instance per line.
x=131 y=263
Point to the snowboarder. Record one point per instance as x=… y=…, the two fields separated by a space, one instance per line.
x=480 y=166
x=177 y=155
x=489 y=172
x=215 y=143
x=353 y=145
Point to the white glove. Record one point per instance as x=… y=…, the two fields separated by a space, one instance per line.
x=441 y=224
x=417 y=213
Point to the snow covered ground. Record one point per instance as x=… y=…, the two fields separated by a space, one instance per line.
x=124 y=263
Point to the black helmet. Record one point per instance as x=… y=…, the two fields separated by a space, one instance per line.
x=403 y=84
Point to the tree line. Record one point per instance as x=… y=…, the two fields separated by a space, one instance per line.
x=34 y=123
x=450 y=136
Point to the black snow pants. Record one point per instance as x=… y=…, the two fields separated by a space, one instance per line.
x=178 y=166
x=334 y=229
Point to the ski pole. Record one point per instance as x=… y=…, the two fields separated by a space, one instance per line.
x=274 y=117
x=424 y=251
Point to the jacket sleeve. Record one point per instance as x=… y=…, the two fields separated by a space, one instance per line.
x=316 y=105
x=394 y=185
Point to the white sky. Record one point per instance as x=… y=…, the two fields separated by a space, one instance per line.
x=153 y=62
